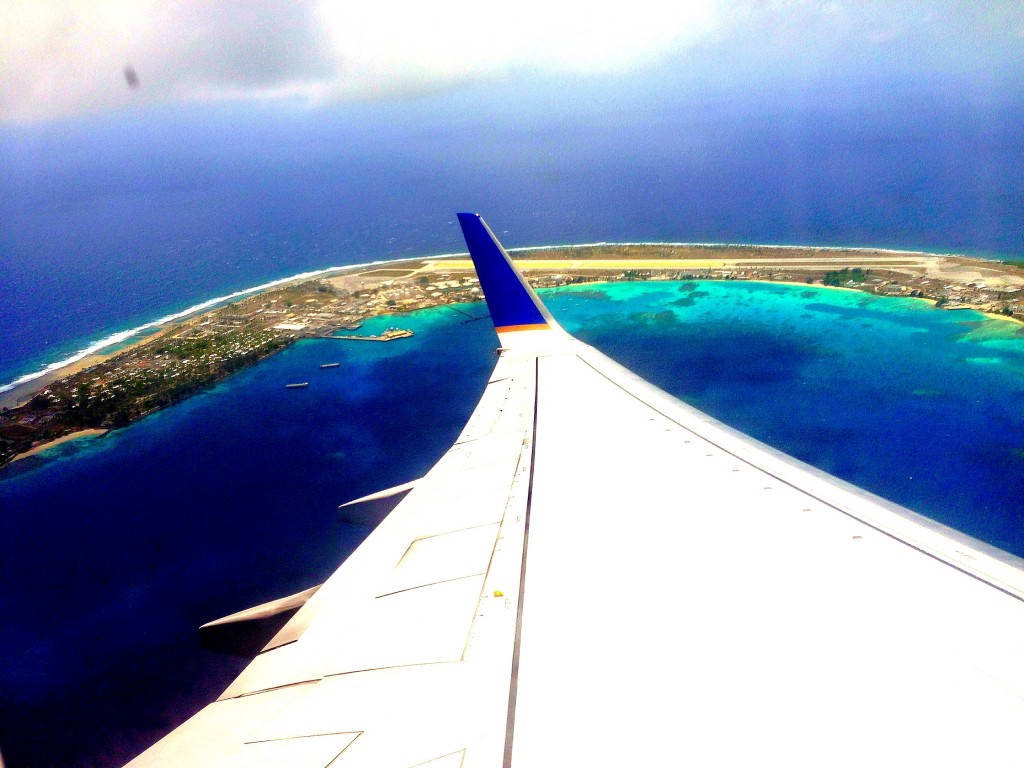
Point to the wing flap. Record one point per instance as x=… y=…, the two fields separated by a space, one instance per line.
x=314 y=751
x=421 y=674
x=443 y=557
x=414 y=594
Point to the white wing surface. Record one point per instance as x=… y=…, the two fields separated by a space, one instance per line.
x=598 y=574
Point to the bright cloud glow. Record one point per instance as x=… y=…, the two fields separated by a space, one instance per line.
x=63 y=57
x=462 y=38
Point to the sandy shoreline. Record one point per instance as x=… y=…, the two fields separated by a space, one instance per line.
x=22 y=393
x=997 y=316
x=63 y=439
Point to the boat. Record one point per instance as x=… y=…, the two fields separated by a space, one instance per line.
x=299 y=385
x=330 y=365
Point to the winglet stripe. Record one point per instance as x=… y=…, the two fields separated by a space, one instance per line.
x=534 y=327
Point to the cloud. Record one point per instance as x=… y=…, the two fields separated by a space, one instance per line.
x=60 y=57
x=462 y=39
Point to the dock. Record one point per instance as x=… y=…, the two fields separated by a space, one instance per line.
x=389 y=335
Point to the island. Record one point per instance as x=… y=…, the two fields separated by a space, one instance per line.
x=105 y=392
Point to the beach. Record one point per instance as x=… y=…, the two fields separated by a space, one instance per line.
x=23 y=392
x=63 y=439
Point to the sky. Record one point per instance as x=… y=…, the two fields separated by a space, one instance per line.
x=70 y=59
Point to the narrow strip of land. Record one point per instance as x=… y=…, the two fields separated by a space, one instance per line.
x=110 y=391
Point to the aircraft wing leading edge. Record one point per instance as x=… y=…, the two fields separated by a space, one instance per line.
x=596 y=573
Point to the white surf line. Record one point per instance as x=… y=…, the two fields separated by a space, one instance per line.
x=122 y=336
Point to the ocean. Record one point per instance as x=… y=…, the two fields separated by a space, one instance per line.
x=112 y=551
x=111 y=222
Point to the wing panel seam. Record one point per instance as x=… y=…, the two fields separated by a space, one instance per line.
x=429 y=584
x=510 y=720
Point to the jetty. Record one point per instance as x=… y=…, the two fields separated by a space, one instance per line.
x=389 y=335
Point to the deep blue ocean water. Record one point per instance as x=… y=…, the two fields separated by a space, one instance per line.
x=113 y=550
x=113 y=221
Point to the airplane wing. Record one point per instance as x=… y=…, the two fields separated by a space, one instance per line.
x=598 y=574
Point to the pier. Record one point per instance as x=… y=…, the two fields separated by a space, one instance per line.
x=389 y=335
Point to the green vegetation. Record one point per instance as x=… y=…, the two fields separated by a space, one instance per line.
x=183 y=348
x=845 y=275
x=115 y=393
x=120 y=390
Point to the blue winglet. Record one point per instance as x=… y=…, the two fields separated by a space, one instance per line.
x=513 y=304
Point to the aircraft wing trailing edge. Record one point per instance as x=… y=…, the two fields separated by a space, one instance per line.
x=598 y=574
